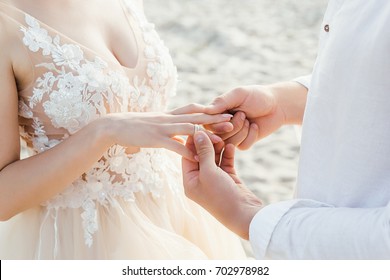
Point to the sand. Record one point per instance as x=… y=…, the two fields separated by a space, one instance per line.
x=220 y=44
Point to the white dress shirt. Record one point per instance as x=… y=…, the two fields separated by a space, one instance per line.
x=342 y=208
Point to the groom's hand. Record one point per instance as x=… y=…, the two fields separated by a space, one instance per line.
x=218 y=188
x=256 y=114
x=237 y=131
x=260 y=107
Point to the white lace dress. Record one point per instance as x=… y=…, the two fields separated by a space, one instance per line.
x=125 y=206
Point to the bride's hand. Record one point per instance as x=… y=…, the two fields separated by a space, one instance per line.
x=158 y=130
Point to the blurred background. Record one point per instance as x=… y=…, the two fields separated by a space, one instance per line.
x=220 y=44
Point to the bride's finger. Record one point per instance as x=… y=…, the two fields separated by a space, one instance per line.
x=214 y=138
x=179 y=139
x=190 y=168
x=238 y=122
x=177 y=129
x=182 y=150
x=188 y=129
x=188 y=109
x=200 y=118
x=190 y=144
x=220 y=128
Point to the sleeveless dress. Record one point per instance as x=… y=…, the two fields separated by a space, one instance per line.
x=125 y=206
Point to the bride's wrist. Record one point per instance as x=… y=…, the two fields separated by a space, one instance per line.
x=105 y=129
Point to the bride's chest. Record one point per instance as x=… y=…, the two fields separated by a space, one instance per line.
x=105 y=27
x=73 y=84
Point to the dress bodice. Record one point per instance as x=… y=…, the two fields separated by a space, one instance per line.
x=73 y=86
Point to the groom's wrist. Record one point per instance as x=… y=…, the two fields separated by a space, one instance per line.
x=291 y=98
x=246 y=207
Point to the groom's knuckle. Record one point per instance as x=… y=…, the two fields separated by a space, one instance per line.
x=193 y=106
x=238 y=90
x=222 y=99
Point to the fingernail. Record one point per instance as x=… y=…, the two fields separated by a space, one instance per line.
x=199 y=138
x=227 y=116
x=196 y=158
x=242 y=116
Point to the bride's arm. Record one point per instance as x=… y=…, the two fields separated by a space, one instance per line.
x=26 y=183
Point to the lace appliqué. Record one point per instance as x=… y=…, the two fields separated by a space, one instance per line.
x=77 y=89
x=73 y=91
x=118 y=175
x=160 y=69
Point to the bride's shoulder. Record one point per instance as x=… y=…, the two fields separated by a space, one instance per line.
x=4 y=27
x=5 y=47
x=13 y=54
x=8 y=26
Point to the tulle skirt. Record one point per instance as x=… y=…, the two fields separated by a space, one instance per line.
x=169 y=227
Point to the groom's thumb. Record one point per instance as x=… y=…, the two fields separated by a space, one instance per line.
x=205 y=150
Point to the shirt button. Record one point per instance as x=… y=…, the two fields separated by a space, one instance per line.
x=326 y=27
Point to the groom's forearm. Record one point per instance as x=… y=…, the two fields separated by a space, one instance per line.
x=291 y=97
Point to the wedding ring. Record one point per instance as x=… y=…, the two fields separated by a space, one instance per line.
x=197 y=128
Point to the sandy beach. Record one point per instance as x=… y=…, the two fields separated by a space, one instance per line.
x=220 y=44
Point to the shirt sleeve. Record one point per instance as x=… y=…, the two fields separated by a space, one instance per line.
x=304 y=80
x=307 y=229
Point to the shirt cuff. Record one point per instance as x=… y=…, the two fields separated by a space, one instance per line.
x=266 y=220
x=304 y=80
x=263 y=225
